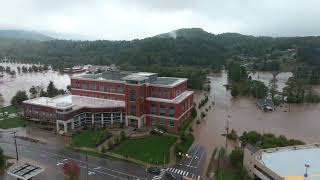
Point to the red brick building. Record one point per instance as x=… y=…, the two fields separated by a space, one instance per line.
x=135 y=99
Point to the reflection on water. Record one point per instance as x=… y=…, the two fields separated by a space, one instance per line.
x=302 y=122
x=9 y=85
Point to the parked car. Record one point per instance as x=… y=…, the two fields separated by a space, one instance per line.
x=171 y=176
x=157 y=132
x=154 y=170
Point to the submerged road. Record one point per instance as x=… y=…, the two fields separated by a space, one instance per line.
x=53 y=158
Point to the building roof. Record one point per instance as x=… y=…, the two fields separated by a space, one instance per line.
x=152 y=78
x=25 y=171
x=176 y=100
x=77 y=102
x=290 y=161
x=168 y=81
x=108 y=75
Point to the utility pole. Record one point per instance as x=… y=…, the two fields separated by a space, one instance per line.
x=15 y=144
x=87 y=164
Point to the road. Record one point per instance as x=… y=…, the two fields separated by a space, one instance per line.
x=53 y=158
x=191 y=167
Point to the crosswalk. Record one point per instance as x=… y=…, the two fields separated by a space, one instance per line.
x=177 y=172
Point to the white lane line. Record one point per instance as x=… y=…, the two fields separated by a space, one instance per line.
x=198 y=178
x=59 y=163
x=104 y=173
x=194 y=155
x=199 y=160
x=103 y=168
x=170 y=169
x=90 y=172
x=179 y=171
x=187 y=173
x=96 y=168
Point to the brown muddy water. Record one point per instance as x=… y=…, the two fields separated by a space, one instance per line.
x=9 y=85
x=302 y=122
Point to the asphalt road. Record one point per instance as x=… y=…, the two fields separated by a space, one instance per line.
x=54 y=157
x=191 y=167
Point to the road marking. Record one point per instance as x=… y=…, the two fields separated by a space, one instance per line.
x=176 y=170
x=179 y=171
x=170 y=169
x=90 y=172
x=199 y=160
x=65 y=160
x=187 y=173
x=96 y=168
x=194 y=155
x=59 y=163
x=198 y=178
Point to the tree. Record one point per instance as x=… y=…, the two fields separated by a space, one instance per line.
x=234 y=91
x=19 y=98
x=236 y=157
x=273 y=86
x=52 y=90
x=33 y=91
x=1 y=101
x=71 y=170
x=194 y=112
x=258 y=89
x=2 y=159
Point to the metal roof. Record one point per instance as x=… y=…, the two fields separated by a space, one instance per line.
x=25 y=171
x=291 y=161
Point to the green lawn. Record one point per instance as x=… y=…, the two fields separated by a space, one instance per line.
x=13 y=122
x=90 y=138
x=10 y=109
x=151 y=149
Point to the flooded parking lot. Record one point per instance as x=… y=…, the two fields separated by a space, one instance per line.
x=299 y=121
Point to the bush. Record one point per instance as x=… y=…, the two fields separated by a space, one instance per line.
x=122 y=136
x=232 y=135
x=190 y=129
x=103 y=149
x=236 y=157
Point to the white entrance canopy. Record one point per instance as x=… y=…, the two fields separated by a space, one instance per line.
x=25 y=171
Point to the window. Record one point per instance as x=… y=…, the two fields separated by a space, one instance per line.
x=132 y=95
x=93 y=86
x=119 y=89
x=133 y=110
x=162 y=110
x=153 y=121
x=171 y=111
x=84 y=85
x=171 y=123
x=101 y=87
x=162 y=121
x=153 y=108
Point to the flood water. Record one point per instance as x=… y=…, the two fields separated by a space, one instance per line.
x=302 y=122
x=9 y=85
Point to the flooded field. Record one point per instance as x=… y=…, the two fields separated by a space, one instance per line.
x=9 y=85
x=294 y=121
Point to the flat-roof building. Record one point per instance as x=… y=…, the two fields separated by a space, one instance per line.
x=134 y=99
x=283 y=163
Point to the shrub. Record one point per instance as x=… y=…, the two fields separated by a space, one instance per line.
x=103 y=149
x=122 y=136
x=190 y=129
x=236 y=157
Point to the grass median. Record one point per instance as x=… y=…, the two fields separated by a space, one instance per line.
x=151 y=149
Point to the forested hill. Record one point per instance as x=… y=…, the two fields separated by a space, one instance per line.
x=193 y=46
x=23 y=35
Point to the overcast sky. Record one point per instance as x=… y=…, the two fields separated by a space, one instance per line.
x=130 y=19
